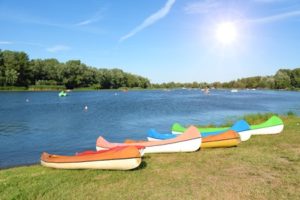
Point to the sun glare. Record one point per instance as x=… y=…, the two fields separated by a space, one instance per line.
x=226 y=33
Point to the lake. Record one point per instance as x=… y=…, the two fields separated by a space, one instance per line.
x=33 y=122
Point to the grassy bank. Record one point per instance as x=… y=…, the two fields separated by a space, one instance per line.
x=265 y=167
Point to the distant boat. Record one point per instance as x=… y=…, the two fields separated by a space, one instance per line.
x=62 y=94
x=206 y=91
x=234 y=90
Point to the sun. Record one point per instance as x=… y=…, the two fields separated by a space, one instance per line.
x=226 y=33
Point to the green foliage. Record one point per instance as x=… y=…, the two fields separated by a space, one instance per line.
x=291 y=113
x=46 y=87
x=258 y=118
x=46 y=82
x=282 y=79
x=12 y=88
x=295 y=78
x=11 y=77
x=17 y=70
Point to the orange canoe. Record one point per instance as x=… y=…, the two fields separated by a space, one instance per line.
x=227 y=139
x=120 y=158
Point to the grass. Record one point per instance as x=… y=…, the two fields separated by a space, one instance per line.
x=12 y=88
x=46 y=87
x=265 y=167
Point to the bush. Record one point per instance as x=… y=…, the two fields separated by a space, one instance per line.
x=290 y=114
x=46 y=87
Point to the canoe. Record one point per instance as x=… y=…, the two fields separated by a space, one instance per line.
x=189 y=141
x=273 y=125
x=121 y=158
x=179 y=129
x=240 y=126
x=62 y=94
x=226 y=139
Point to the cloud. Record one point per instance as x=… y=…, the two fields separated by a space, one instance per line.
x=207 y=6
x=58 y=48
x=6 y=42
x=151 y=19
x=97 y=17
x=20 y=16
x=277 y=17
x=201 y=7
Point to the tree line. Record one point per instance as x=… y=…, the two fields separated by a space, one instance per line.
x=283 y=79
x=16 y=69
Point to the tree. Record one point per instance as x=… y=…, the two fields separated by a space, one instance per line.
x=282 y=79
x=2 y=69
x=18 y=61
x=295 y=78
x=72 y=73
x=11 y=77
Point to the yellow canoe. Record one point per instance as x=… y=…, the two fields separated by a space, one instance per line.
x=227 y=139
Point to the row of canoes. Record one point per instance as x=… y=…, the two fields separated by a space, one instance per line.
x=128 y=155
x=273 y=125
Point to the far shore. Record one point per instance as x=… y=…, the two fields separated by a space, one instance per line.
x=45 y=89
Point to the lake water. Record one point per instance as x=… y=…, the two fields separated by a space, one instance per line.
x=33 y=122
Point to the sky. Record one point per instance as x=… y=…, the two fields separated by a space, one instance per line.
x=163 y=40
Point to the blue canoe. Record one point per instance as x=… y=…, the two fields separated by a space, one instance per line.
x=240 y=127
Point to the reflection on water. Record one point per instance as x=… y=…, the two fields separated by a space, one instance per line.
x=8 y=129
x=33 y=122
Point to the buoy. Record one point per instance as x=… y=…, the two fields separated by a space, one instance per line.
x=85 y=108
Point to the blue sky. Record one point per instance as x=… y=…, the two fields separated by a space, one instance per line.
x=164 y=40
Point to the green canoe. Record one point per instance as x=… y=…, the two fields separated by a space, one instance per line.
x=273 y=125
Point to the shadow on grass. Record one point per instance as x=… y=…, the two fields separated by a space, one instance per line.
x=143 y=165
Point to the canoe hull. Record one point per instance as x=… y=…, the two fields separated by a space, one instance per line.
x=212 y=144
x=220 y=144
x=245 y=135
x=268 y=130
x=273 y=125
x=152 y=139
x=227 y=139
x=118 y=164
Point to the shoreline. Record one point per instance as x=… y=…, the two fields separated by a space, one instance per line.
x=252 y=118
x=265 y=167
x=21 y=165
x=137 y=89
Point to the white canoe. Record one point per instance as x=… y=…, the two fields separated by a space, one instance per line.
x=189 y=141
x=120 y=164
x=123 y=158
